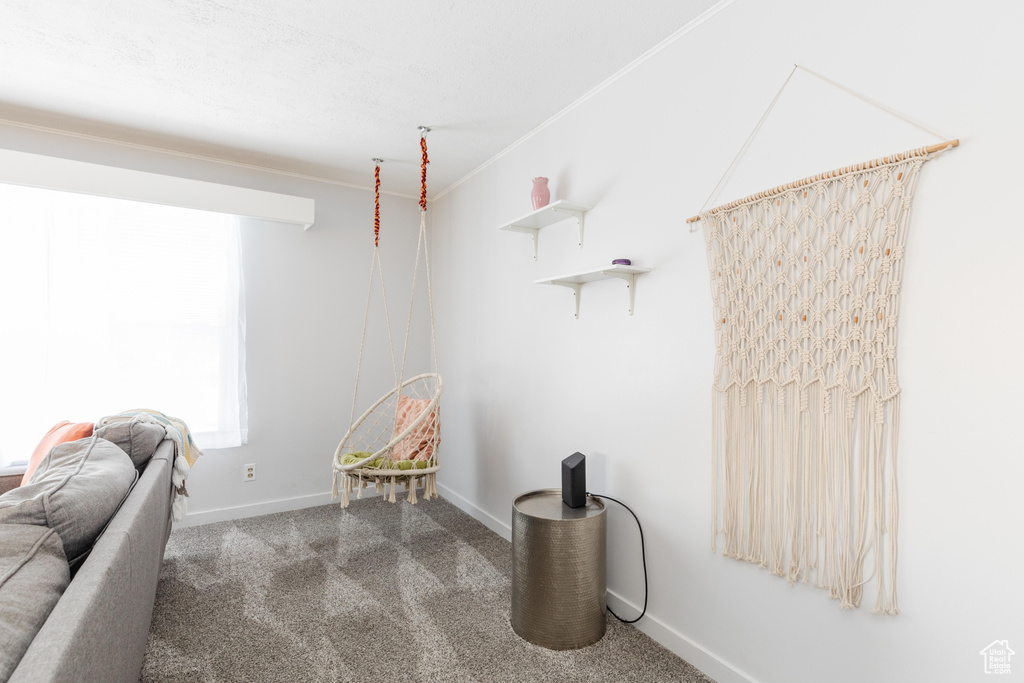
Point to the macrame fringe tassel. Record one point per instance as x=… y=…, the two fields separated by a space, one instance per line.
x=356 y=483
x=805 y=485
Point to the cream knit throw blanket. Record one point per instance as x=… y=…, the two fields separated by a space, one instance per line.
x=805 y=281
x=185 y=451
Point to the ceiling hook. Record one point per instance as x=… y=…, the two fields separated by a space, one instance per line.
x=423 y=131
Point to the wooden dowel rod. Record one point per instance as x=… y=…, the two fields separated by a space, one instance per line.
x=902 y=156
x=931 y=149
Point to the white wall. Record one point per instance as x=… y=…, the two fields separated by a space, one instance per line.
x=305 y=298
x=526 y=384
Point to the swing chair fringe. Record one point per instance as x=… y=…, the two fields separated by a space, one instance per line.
x=355 y=483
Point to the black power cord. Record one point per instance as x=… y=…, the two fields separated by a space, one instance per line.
x=643 y=556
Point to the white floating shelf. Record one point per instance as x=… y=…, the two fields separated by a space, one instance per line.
x=555 y=212
x=575 y=281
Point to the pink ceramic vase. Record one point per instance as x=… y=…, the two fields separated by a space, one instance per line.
x=541 y=195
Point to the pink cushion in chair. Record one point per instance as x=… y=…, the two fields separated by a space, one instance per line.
x=419 y=444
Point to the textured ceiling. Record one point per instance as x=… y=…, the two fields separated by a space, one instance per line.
x=319 y=86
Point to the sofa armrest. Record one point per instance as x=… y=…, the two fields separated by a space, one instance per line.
x=10 y=477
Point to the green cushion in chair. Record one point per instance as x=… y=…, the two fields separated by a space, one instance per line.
x=353 y=458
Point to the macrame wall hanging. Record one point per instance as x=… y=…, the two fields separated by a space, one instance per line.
x=805 y=282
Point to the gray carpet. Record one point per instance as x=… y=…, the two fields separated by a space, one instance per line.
x=378 y=592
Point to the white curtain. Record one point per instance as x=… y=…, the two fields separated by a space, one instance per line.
x=109 y=305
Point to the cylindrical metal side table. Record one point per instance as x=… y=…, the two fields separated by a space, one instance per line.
x=558 y=570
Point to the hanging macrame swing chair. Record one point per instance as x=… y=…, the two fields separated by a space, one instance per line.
x=396 y=440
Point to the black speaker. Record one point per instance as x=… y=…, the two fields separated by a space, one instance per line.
x=574 y=480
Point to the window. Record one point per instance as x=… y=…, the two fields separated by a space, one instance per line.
x=109 y=305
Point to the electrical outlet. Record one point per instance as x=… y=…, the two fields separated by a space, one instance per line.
x=249 y=472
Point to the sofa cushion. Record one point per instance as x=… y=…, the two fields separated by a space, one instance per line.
x=62 y=432
x=135 y=437
x=33 y=576
x=75 y=491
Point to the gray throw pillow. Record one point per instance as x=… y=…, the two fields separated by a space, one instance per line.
x=33 y=576
x=75 y=491
x=136 y=438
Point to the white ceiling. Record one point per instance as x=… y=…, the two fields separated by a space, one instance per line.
x=319 y=86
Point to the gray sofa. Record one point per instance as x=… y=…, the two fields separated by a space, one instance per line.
x=98 y=628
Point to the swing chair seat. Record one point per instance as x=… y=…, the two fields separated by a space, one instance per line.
x=403 y=426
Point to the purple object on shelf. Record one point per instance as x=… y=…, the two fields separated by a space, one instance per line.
x=622 y=262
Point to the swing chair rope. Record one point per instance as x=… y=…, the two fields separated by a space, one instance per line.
x=376 y=264
x=387 y=316
x=412 y=300
x=430 y=291
x=423 y=168
x=376 y=206
x=408 y=322
x=421 y=247
x=362 y=343
x=423 y=237
x=380 y=265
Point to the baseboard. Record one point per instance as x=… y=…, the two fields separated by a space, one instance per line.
x=712 y=665
x=253 y=510
x=487 y=519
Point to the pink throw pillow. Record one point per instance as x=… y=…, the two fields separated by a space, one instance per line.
x=419 y=444
x=62 y=432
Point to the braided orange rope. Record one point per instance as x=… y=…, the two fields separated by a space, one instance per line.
x=376 y=206
x=423 y=173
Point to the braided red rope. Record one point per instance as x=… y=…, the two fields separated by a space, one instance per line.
x=376 y=206
x=423 y=173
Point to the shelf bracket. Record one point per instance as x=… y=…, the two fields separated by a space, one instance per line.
x=534 y=234
x=630 y=279
x=575 y=287
x=553 y=213
x=578 y=215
